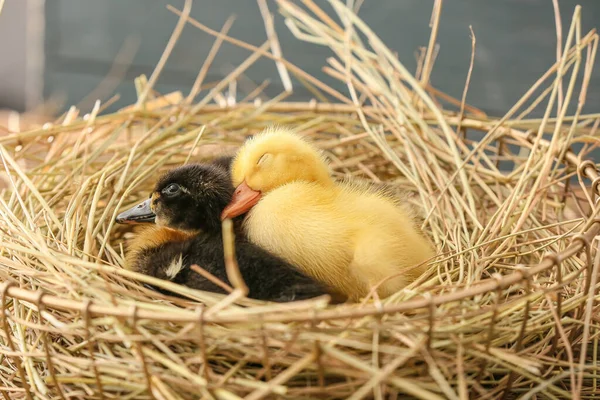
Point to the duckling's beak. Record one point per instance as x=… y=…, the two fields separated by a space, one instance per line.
x=140 y=213
x=244 y=198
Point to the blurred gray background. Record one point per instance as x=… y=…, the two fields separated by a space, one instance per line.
x=67 y=47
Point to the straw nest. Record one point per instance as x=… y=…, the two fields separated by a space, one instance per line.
x=508 y=308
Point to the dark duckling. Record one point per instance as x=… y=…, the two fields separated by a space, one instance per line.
x=185 y=208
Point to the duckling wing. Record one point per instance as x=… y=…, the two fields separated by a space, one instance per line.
x=269 y=277
x=172 y=261
x=401 y=199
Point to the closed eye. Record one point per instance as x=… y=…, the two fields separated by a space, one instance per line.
x=264 y=158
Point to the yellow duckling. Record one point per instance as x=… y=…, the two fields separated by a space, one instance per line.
x=350 y=236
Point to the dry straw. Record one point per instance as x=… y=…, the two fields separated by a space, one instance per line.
x=508 y=309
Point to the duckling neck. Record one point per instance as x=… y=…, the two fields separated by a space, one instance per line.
x=323 y=178
x=217 y=228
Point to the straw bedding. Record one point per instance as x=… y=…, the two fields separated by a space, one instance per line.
x=509 y=308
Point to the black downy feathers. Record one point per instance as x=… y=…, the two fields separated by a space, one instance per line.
x=186 y=205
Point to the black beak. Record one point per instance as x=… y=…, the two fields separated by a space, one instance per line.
x=137 y=214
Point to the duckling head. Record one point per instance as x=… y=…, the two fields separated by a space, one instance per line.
x=269 y=160
x=188 y=199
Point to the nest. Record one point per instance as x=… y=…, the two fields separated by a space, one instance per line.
x=508 y=308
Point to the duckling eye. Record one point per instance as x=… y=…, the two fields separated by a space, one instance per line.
x=264 y=159
x=172 y=190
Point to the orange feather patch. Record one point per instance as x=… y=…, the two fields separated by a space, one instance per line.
x=152 y=236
